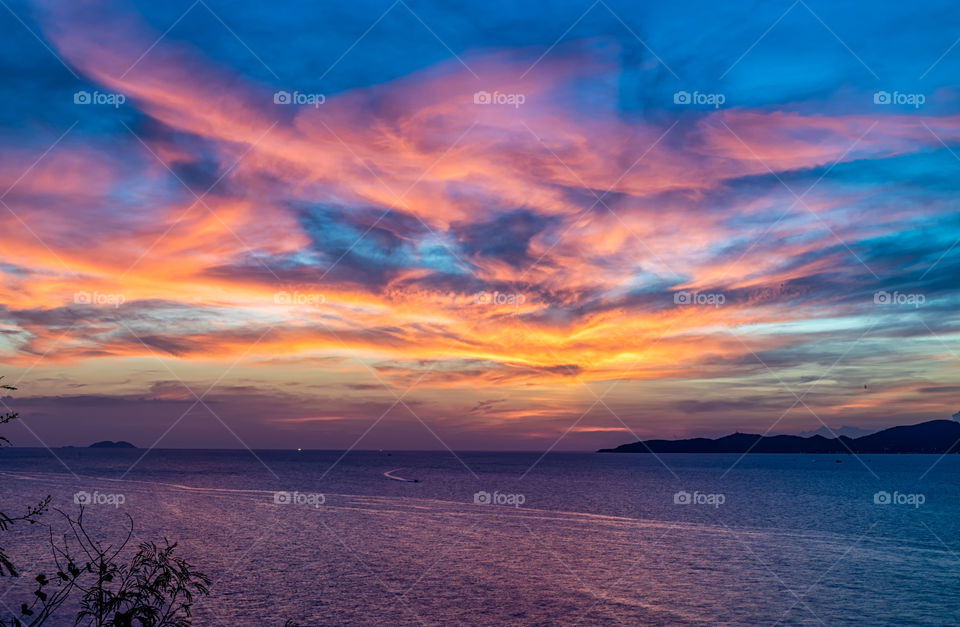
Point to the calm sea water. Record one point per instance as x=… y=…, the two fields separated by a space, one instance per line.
x=576 y=539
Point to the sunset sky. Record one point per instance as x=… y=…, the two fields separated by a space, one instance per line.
x=425 y=224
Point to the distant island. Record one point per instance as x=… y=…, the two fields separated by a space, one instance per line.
x=109 y=444
x=935 y=436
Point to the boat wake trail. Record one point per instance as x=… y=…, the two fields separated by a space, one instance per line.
x=389 y=475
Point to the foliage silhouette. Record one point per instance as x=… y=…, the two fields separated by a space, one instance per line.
x=154 y=589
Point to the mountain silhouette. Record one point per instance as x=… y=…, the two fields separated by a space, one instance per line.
x=109 y=444
x=935 y=436
x=827 y=432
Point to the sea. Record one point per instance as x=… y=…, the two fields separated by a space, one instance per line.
x=479 y=538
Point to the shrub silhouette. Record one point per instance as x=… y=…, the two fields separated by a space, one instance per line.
x=154 y=589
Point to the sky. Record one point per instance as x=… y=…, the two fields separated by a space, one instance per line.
x=484 y=225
